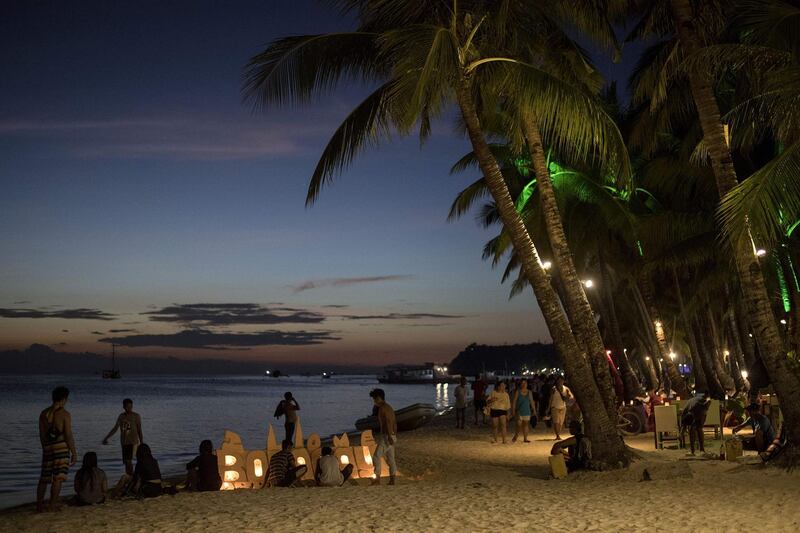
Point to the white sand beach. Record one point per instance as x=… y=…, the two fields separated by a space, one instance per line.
x=455 y=479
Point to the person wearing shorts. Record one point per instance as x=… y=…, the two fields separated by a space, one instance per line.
x=499 y=403
x=58 y=449
x=523 y=408
x=558 y=405
x=129 y=425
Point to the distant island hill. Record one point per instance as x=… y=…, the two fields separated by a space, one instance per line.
x=475 y=358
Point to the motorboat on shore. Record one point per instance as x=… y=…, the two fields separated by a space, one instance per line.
x=408 y=418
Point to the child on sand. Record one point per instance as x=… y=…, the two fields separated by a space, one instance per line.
x=202 y=472
x=91 y=484
x=328 y=473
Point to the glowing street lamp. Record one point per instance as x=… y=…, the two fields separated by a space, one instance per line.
x=672 y=355
x=588 y=283
x=761 y=252
x=783 y=321
x=546 y=265
x=744 y=374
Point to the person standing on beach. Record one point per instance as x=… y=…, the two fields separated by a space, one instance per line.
x=523 y=408
x=693 y=418
x=129 y=425
x=460 y=393
x=559 y=399
x=288 y=408
x=386 y=438
x=499 y=403
x=479 y=397
x=58 y=448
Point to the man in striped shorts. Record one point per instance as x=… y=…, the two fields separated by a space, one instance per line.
x=58 y=448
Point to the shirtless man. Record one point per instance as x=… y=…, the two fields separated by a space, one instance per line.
x=386 y=438
x=58 y=448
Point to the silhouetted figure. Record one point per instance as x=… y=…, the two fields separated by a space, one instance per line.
x=146 y=482
x=91 y=484
x=288 y=408
x=202 y=472
x=58 y=448
x=282 y=471
x=328 y=473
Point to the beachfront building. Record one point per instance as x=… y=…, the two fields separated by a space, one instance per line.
x=424 y=373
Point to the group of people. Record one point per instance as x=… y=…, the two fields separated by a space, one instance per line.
x=524 y=401
x=144 y=478
x=91 y=483
x=283 y=472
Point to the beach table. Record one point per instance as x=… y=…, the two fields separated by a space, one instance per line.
x=667 y=427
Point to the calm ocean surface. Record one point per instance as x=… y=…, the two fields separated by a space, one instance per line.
x=177 y=413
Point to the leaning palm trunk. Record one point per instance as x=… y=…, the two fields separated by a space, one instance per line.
x=659 y=328
x=579 y=311
x=700 y=381
x=712 y=381
x=724 y=377
x=631 y=383
x=607 y=445
x=765 y=328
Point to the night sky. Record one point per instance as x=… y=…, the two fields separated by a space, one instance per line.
x=136 y=186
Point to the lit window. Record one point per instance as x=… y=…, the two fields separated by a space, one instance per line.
x=344 y=460
x=301 y=460
x=231 y=475
x=230 y=460
x=258 y=468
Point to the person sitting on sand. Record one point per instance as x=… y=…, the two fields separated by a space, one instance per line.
x=58 y=448
x=288 y=408
x=282 y=471
x=577 y=449
x=146 y=482
x=499 y=403
x=129 y=425
x=460 y=392
x=559 y=398
x=763 y=432
x=523 y=408
x=693 y=418
x=387 y=437
x=202 y=472
x=91 y=484
x=327 y=473
x=479 y=398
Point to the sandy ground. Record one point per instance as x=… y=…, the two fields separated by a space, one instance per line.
x=455 y=479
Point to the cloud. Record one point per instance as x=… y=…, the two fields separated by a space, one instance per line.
x=400 y=316
x=122 y=331
x=178 y=138
x=98 y=333
x=21 y=302
x=228 y=314
x=64 y=331
x=344 y=282
x=336 y=306
x=204 y=339
x=80 y=314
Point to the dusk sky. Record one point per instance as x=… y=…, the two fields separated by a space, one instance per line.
x=136 y=185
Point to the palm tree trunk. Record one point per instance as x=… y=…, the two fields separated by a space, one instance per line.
x=722 y=375
x=700 y=382
x=765 y=328
x=577 y=304
x=629 y=379
x=608 y=446
x=714 y=387
x=660 y=329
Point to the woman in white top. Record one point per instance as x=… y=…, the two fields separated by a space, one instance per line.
x=499 y=403
x=558 y=405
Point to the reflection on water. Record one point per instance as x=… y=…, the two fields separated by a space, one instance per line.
x=177 y=413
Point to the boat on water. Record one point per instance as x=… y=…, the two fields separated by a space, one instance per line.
x=417 y=374
x=326 y=375
x=408 y=418
x=114 y=373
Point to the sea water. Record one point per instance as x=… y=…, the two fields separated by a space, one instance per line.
x=177 y=413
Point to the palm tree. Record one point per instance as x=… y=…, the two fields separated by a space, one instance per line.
x=425 y=57
x=693 y=26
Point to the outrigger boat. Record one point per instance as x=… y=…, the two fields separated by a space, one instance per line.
x=408 y=418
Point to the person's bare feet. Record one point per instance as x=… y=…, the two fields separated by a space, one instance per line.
x=391 y=480
x=558 y=437
x=526 y=440
x=514 y=438
x=374 y=482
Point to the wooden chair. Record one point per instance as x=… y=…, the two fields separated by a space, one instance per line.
x=667 y=427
